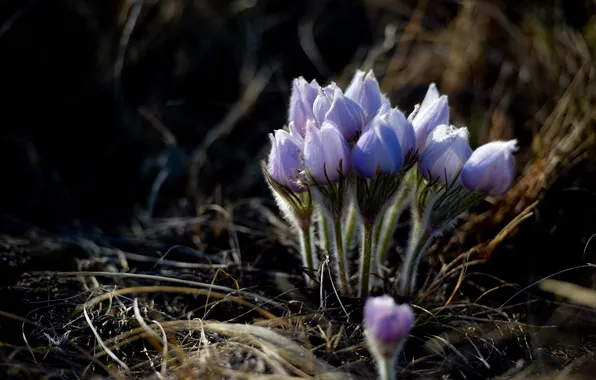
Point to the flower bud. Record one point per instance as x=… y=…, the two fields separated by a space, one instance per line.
x=365 y=91
x=331 y=105
x=285 y=161
x=446 y=150
x=403 y=129
x=491 y=168
x=296 y=135
x=432 y=112
x=301 y=102
x=384 y=144
x=325 y=150
x=387 y=325
x=322 y=102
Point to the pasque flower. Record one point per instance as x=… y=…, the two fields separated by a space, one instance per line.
x=387 y=325
x=446 y=151
x=285 y=161
x=326 y=153
x=491 y=168
x=384 y=145
x=364 y=90
x=331 y=105
x=301 y=102
x=432 y=112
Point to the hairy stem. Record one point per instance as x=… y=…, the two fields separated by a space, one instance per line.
x=324 y=232
x=306 y=250
x=388 y=226
x=365 y=259
x=386 y=369
x=341 y=260
x=350 y=226
x=419 y=242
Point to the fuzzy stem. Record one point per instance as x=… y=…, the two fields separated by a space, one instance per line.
x=306 y=250
x=350 y=227
x=386 y=369
x=365 y=259
x=389 y=225
x=342 y=269
x=324 y=232
x=414 y=271
x=419 y=241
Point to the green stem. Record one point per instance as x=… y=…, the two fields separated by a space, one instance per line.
x=419 y=242
x=306 y=250
x=342 y=270
x=365 y=259
x=324 y=232
x=350 y=227
x=389 y=225
x=387 y=369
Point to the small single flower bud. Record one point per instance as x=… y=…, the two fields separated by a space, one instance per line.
x=325 y=152
x=403 y=129
x=285 y=161
x=301 y=102
x=432 y=112
x=384 y=144
x=365 y=91
x=322 y=102
x=446 y=151
x=491 y=168
x=342 y=111
x=387 y=325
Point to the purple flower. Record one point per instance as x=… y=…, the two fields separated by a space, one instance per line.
x=446 y=151
x=301 y=102
x=491 y=168
x=384 y=144
x=365 y=91
x=403 y=129
x=433 y=112
x=285 y=161
x=387 y=324
x=325 y=150
x=331 y=105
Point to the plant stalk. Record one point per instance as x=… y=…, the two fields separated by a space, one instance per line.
x=350 y=227
x=341 y=259
x=306 y=250
x=324 y=232
x=386 y=369
x=389 y=225
x=365 y=259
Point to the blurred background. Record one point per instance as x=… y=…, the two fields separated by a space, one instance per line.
x=117 y=113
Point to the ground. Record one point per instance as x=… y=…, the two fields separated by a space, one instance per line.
x=137 y=235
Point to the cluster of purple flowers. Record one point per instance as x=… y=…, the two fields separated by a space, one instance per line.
x=354 y=149
x=359 y=130
x=327 y=127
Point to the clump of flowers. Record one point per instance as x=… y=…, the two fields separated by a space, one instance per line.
x=349 y=161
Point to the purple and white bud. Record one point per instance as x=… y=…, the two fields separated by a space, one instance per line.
x=403 y=129
x=331 y=105
x=365 y=91
x=446 y=151
x=326 y=152
x=491 y=168
x=432 y=112
x=384 y=144
x=387 y=325
x=301 y=102
x=285 y=161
